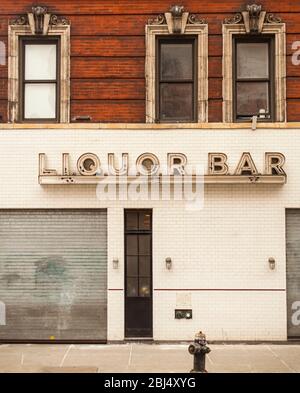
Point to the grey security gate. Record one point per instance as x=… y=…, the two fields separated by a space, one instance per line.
x=53 y=274
x=293 y=271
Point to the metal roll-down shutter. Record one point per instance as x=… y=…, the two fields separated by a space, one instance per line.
x=53 y=274
x=293 y=271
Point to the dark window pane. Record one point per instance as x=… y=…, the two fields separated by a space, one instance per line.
x=251 y=97
x=145 y=221
x=144 y=266
x=132 y=221
x=176 y=101
x=253 y=60
x=144 y=244
x=176 y=62
x=144 y=287
x=132 y=287
x=132 y=266
x=132 y=245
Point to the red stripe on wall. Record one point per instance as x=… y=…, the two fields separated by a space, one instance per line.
x=221 y=289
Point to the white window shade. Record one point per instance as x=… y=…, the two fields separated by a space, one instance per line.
x=40 y=62
x=40 y=101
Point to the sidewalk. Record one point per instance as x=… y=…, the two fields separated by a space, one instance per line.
x=146 y=358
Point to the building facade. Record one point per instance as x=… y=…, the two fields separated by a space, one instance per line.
x=149 y=179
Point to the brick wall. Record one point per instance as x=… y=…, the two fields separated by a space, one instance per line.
x=108 y=53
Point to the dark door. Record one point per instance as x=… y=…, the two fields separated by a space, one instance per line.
x=138 y=273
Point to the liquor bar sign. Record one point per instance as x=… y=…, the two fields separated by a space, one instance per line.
x=90 y=170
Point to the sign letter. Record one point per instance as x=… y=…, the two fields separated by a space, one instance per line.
x=112 y=168
x=42 y=166
x=274 y=163
x=246 y=166
x=176 y=163
x=217 y=164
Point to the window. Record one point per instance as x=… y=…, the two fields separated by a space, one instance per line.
x=39 y=66
x=39 y=79
x=253 y=78
x=254 y=62
x=176 y=92
x=176 y=70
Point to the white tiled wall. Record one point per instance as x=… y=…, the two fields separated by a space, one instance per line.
x=220 y=253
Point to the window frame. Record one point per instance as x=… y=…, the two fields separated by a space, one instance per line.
x=138 y=232
x=266 y=38
x=279 y=31
x=176 y=39
x=32 y=40
x=201 y=31
x=15 y=32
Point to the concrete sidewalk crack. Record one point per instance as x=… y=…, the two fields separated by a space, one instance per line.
x=130 y=356
x=65 y=355
x=282 y=361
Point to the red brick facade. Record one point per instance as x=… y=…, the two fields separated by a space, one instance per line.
x=108 y=52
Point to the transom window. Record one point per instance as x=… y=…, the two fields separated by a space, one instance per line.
x=253 y=81
x=39 y=79
x=176 y=70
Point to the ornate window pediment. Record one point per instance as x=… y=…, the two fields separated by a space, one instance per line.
x=39 y=20
x=177 y=19
x=253 y=18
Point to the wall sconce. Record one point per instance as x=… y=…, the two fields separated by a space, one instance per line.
x=169 y=263
x=272 y=263
x=115 y=263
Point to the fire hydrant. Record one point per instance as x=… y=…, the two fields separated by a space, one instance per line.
x=199 y=349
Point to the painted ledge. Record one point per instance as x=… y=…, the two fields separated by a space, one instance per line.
x=147 y=126
x=208 y=179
